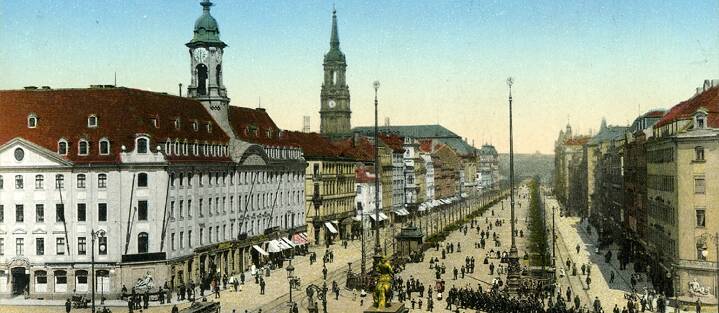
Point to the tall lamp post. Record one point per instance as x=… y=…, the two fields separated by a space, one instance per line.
x=377 y=247
x=513 y=269
x=95 y=234
x=291 y=279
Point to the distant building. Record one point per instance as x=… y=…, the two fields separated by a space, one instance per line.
x=335 y=112
x=488 y=170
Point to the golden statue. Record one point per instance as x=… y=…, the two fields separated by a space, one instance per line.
x=384 y=283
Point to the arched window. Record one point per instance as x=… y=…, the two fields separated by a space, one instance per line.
x=209 y=127
x=60 y=281
x=32 y=121
x=81 y=281
x=177 y=123
x=201 y=79
x=194 y=126
x=83 y=147
x=218 y=75
x=143 y=243
x=104 y=146
x=92 y=121
x=142 y=180
x=81 y=179
x=62 y=147
x=142 y=145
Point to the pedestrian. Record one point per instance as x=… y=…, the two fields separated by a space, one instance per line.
x=597 y=305
x=324 y=272
x=589 y=281
x=68 y=306
x=698 y=306
x=262 y=286
x=578 y=248
x=176 y=310
x=584 y=269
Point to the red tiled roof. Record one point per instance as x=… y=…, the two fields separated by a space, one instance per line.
x=577 y=141
x=425 y=145
x=360 y=150
x=122 y=114
x=708 y=99
x=655 y=113
x=312 y=144
x=393 y=141
x=364 y=175
x=254 y=125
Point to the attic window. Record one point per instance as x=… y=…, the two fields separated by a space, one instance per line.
x=209 y=127
x=32 y=121
x=83 y=147
x=154 y=122
x=104 y=146
x=92 y=121
x=194 y=126
x=700 y=119
x=62 y=147
x=177 y=123
x=269 y=133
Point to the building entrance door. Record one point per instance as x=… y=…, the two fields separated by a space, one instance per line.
x=20 y=281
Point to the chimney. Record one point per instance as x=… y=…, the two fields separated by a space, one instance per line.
x=179 y=87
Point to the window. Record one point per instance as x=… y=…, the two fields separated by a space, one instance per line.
x=189 y=208
x=60 y=212
x=81 y=212
x=700 y=252
x=18 y=182
x=32 y=121
x=81 y=245
x=142 y=243
x=194 y=126
x=60 y=281
x=182 y=179
x=2 y=246
x=189 y=238
x=700 y=118
x=701 y=217
x=154 y=122
x=81 y=178
x=19 y=213
x=101 y=180
x=699 y=153
x=102 y=245
x=172 y=208
x=39 y=181
x=92 y=121
x=40 y=213
x=39 y=246
x=202 y=231
x=1 y=182
x=142 y=180
x=62 y=147
x=59 y=181
x=142 y=145
x=189 y=179
x=182 y=239
x=172 y=241
x=142 y=210
x=104 y=147
x=102 y=212
x=83 y=147
x=177 y=123
x=2 y=213
x=699 y=185
x=19 y=246
x=209 y=127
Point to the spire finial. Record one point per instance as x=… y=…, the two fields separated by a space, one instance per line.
x=206 y=4
x=334 y=37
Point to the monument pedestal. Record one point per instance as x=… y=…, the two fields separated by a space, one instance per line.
x=393 y=308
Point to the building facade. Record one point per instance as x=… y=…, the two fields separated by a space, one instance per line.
x=335 y=112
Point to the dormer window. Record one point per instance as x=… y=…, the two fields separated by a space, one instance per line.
x=194 y=126
x=62 y=147
x=92 y=121
x=269 y=133
x=154 y=122
x=700 y=120
x=104 y=146
x=142 y=145
x=83 y=147
x=209 y=127
x=177 y=123
x=32 y=121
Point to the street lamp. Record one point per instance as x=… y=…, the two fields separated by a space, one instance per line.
x=291 y=279
x=513 y=258
x=377 y=248
x=95 y=234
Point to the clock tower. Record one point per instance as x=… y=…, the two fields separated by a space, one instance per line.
x=335 y=95
x=206 y=67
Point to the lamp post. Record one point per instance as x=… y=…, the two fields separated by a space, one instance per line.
x=377 y=248
x=291 y=279
x=94 y=234
x=513 y=269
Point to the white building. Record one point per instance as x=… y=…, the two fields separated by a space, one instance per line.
x=174 y=185
x=488 y=171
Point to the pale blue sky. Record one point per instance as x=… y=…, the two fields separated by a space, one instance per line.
x=438 y=61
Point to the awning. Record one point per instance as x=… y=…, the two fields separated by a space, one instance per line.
x=289 y=242
x=260 y=250
x=273 y=246
x=335 y=222
x=330 y=227
x=299 y=239
x=401 y=212
x=382 y=216
x=283 y=244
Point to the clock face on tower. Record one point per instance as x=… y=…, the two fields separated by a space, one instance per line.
x=331 y=104
x=200 y=55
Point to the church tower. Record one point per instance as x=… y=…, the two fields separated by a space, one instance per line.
x=335 y=95
x=206 y=66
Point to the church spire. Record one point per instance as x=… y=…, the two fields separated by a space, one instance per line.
x=334 y=37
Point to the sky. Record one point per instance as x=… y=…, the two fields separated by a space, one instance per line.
x=438 y=62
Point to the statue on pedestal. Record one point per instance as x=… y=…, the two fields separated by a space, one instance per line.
x=384 y=283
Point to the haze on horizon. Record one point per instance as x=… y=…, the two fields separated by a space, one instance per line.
x=439 y=62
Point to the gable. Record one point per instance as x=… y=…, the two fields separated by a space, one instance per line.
x=19 y=152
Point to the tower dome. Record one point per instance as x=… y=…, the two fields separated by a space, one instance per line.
x=206 y=29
